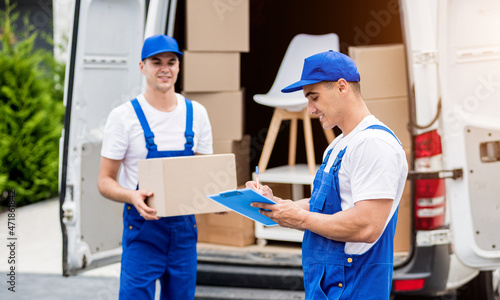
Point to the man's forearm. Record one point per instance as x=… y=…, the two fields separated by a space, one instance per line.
x=362 y=223
x=303 y=203
x=111 y=189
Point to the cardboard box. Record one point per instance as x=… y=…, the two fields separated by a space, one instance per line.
x=232 y=229
x=220 y=25
x=393 y=113
x=403 y=227
x=225 y=110
x=241 y=150
x=181 y=184
x=210 y=71
x=281 y=190
x=382 y=69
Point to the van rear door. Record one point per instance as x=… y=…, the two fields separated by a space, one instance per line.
x=102 y=73
x=469 y=78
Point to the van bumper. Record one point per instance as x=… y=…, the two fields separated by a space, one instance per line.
x=431 y=263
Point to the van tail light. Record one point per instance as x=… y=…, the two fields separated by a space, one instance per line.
x=429 y=204
x=409 y=285
x=430 y=199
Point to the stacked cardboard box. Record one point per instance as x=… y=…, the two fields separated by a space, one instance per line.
x=384 y=87
x=233 y=229
x=241 y=150
x=217 y=32
x=218 y=26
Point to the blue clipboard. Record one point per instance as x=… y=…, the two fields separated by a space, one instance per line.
x=239 y=201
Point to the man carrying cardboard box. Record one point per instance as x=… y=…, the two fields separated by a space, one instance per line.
x=350 y=220
x=153 y=247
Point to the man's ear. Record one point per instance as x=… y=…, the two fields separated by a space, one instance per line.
x=141 y=65
x=343 y=86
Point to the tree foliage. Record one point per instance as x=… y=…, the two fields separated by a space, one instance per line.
x=31 y=113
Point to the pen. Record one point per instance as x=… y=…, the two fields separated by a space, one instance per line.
x=257 y=174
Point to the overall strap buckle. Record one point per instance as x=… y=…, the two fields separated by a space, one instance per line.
x=189 y=138
x=150 y=139
x=189 y=133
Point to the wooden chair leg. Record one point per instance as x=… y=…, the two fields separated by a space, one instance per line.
x=270 y=138
x=292 y=145
x=311 y=161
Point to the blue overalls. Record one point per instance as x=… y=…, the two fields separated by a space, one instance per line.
x=162 y=249
x=330 y=273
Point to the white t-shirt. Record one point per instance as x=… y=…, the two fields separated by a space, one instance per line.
x=374 y=160
x=124 y=138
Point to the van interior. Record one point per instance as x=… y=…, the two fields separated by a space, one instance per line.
x=273 y=24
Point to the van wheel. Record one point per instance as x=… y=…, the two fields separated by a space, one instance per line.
x=481 y=287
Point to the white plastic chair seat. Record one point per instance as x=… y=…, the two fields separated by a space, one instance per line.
x=290 y=71
x=285 y=102
x=292 y=106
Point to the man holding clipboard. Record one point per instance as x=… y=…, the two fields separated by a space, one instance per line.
x=350 y=220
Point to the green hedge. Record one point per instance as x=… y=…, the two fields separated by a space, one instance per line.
x=31 y=110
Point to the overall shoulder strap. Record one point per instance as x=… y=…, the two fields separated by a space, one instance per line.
x=380 y=127
x=189 y=134
x=148 y=134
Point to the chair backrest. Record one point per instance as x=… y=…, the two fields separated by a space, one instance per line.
x=301 y=47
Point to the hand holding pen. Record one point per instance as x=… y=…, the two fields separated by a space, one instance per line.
x=257 y=175
x=261 y=189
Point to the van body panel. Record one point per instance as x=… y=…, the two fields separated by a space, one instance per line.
x=469 y=77
x=419 y=19
x=106 y=61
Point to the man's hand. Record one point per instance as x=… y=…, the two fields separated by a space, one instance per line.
x=138 y=198
x=286 y=213
x=264 y=190
x=109 y=188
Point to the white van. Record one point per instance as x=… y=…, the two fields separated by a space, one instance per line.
x=453 y=61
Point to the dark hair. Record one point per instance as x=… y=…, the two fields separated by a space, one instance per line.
x=355 y=85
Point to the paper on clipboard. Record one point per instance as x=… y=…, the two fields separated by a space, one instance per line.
x=239 y=201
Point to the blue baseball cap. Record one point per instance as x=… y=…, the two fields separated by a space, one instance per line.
x=158 y=44
x=325 y=66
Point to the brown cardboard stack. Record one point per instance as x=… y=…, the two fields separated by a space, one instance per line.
x=384 y=87
x=281 y=190
x=241 y=150
x=211 y=72
x=217 y=32
x=233 y=229
x=221 y=25
x=225 y=110
x=403 y=228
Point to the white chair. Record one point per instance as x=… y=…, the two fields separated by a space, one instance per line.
x=293 y=106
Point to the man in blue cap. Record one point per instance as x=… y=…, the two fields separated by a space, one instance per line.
x=350 y=219
x=158 y=123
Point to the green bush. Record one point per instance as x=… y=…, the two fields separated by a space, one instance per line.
x=31 y=110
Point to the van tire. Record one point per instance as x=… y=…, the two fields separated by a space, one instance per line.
x=481 y=287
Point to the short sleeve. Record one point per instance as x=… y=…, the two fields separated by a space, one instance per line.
x=116 y=134
x=205 y=141
x=374 y=166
